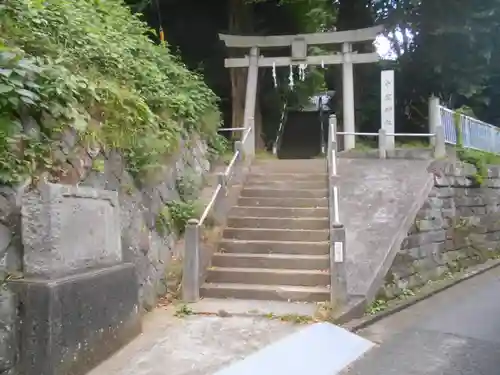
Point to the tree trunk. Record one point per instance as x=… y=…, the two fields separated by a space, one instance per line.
x=241 y=23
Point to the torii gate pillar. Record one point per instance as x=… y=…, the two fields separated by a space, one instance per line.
x=250 y=99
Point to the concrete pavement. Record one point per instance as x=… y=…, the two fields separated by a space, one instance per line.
x=193 y=345
x=455 y=332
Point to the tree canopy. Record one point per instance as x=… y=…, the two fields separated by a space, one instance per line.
x=446 y=47
x=452 y=53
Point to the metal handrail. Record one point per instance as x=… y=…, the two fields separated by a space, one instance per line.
x=281 y=129
x=321 y=123
x=389 y=134
x=237 y=153
x=469 y=118
x=382 y=134
x=221 y=184
x=230 y=129
x=191 y=264
x=209 y=206
x=332 y=168
x=338 y=280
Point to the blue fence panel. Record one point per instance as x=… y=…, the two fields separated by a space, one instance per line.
x=476 y=134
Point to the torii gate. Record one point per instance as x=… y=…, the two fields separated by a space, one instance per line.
x=299 y=44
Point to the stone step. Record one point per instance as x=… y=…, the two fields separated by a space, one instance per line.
x=278 y=223
x=278 y=212
x=282 y=202
x=268 y=276
x=283 y=261
x=284 y=193
x=259 y=234
x=289 y=162
x=266 y=292
x=273 y=247
x=286 y=177
x=266 y=183
x=289 y=166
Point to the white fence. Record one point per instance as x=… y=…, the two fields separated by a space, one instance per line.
x=476 y=134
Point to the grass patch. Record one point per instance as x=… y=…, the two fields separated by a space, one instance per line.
x=291 y=318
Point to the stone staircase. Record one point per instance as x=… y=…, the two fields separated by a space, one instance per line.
x=275 y=245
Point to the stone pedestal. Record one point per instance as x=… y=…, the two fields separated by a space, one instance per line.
x=78 y=302
x=71 y=324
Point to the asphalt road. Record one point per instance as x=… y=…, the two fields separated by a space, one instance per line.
x=455 y=332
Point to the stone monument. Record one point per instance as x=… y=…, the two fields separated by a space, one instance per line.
x=78 y=300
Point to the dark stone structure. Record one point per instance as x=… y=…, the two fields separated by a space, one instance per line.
x=72 y=323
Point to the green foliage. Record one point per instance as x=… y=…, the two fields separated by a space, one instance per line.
x=180 y=213
x=187 y=186
x=19 y=78
x=377 y=306
x=217 y=145
x=174 y=216
x=183 y=311
x=164 y=221
x=310 y=15
x=89 y=65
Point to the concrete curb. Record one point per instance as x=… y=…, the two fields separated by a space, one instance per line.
x=358 y=324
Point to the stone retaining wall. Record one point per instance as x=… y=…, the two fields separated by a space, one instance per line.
x=10 y=266
x=458 y=226
x=140 y=205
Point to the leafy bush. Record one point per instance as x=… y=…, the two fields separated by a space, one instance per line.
x=180 y=213
x=89 y=66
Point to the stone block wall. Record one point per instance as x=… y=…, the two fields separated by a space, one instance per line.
x=150 y=250
x=10 y=266
x=141 y=204
x=457 y=227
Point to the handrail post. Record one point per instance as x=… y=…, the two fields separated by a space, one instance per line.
x=322 y=125
x=332 y=122
x=222 y=181
x=434 y=117
x=191 y=262
x=338 y=283
x=439 y=143
x=382 y=144
x=279 y=133
x=238 y=147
